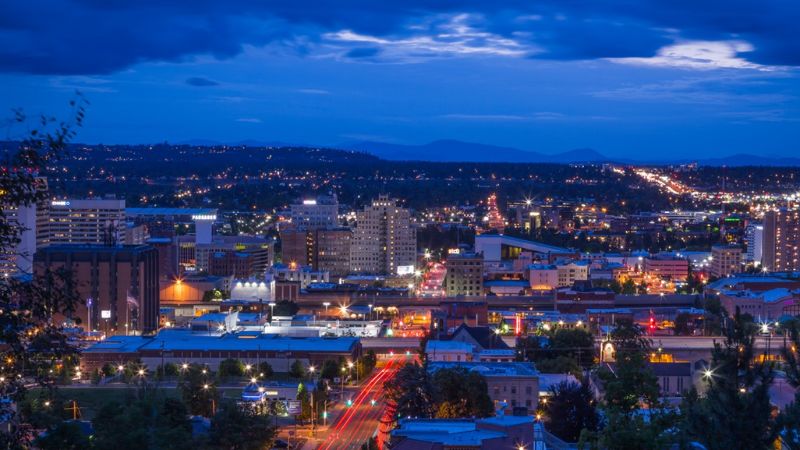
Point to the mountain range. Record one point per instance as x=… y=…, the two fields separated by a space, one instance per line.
x=451 y=150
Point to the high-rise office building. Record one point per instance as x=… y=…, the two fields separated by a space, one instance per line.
x=296 y=247
x=91 y=221
x=332 y=250
x=754 y=240
x=725 y=260
x=118 y=283
x=384 y=240
x=781 y=240
x=30 y=222
x=464 y=275
x=315 y=213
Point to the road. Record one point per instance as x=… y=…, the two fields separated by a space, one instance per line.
x=360 y=421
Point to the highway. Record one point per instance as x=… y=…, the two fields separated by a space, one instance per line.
x=360 y=421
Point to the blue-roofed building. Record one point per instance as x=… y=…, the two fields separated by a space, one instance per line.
x=184 y=346
x=500 y=432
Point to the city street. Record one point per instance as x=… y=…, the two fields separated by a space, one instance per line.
x=359 y=422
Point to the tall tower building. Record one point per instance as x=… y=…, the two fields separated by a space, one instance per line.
x=312 y=214
x=384 y=241
x=754 y=240
x=30 y=222
x=332 y=250
x=91 y=221
x=781 y=242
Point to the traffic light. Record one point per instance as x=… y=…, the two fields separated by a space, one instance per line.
x=349 y=402
x=372 y=402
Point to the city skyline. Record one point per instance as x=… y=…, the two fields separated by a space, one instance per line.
x=688 y=82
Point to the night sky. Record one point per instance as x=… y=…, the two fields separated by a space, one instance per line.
x=627 y=78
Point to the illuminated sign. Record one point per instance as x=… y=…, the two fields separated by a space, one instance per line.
x=309 y=202
x=105 y=314
x=204 y=217
x=59 y=203
x=454 y=251
x=405 y=270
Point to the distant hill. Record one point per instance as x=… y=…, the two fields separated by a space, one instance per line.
x=459 y=151
x=743 y=159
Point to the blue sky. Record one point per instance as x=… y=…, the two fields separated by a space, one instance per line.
x=627 y=78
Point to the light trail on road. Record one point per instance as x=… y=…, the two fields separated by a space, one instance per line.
x=360 y=421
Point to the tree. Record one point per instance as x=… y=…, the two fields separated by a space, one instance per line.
x=649 y=429
x=198 y=392
x=230 y=368
x=297 y=370
x=172 y=429
x=789 y=419
x=366 y=363
x=167 y=370
x=66 y=436
x=122 y=426
x=410 y=393
x=330 y=370
x=234 y=428
x=788 y=424
x=628 y=287
x=458 y=392
x=636 y=419
x=574 y=343
x=33 y=339
x=736 y=412
x=265 y=370
x=569 y=410
x=305 y=402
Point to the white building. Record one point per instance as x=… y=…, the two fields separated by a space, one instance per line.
x=561 y=274
x=384 y=241
x=90 y=221
x=754 y=240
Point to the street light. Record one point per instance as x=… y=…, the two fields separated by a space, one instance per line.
x=326 y=304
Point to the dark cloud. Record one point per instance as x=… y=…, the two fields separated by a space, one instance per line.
x=201 y=82
x=95 y=36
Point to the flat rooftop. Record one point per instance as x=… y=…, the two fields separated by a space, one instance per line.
x=488 y=369
x=178 y=340
x=169 y=211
